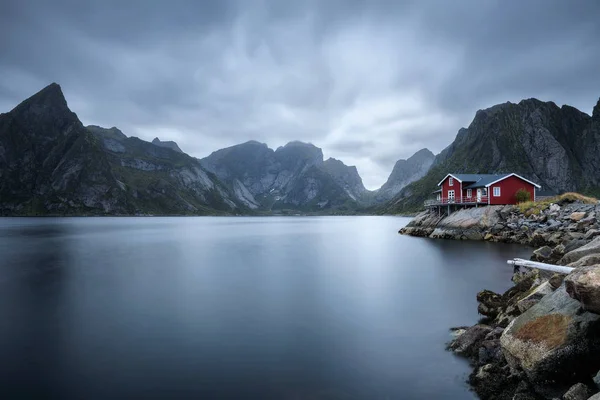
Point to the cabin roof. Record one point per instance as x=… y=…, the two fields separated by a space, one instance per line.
x=473 y=181
x=485 y=180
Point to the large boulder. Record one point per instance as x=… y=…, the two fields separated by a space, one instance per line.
x=554 y=342
x=592 y=247
x=583 y=284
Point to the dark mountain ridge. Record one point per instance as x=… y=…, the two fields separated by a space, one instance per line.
x=50 y=164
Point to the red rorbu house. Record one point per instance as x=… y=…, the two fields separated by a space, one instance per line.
x=466 y=190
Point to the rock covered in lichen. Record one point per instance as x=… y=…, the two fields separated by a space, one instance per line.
x=554 y=342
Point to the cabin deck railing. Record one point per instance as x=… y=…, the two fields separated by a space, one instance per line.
x=473 y=200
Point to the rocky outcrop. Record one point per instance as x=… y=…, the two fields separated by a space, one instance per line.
x=169 y=144
x=548 y=337
x=536 y=342
x=552 y=230
x=551 y=338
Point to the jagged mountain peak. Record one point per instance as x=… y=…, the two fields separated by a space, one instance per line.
x=50 y=98
x=596 y=111
x=47 y=108
x=298 y=143
x=169 y=144
x=406 y=171
x=423 y=153
x=50 y=94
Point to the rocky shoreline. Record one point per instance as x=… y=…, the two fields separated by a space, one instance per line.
x=541 y=338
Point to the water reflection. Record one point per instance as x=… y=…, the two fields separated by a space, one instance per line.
x=319 y=308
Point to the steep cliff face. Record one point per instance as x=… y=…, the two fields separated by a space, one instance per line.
x=406 y=172
x=51 y=164
x=347 y=178
x=557 y=147
x=293 y=176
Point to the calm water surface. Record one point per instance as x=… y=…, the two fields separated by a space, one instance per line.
x=269 y=308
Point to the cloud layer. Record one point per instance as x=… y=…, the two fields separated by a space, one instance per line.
x=368 y=81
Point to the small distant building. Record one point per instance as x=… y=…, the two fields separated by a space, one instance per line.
x=481 y=189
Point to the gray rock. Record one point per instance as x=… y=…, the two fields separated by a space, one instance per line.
x=553 y=340
x=595 y=397
x=586 y=222
x=468 y=343
x=535 y=297
x=574 y=244
x=578 y=391
x=583 y=284
x=592 y=259
x=591 y=248
x=490 y=351
x=553 y=225
x=542 y=254
x=592 y=233
x=554 y=208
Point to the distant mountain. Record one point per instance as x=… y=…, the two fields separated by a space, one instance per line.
x=557 y=147
x=51 y=164
x=293 y=176
x=168 y=144
x=347 y=177
x=406 y=172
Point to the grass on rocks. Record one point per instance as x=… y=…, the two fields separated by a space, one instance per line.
x=549 y=330
x=536 y=207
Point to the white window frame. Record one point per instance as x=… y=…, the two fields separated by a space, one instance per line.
x=469 y=193
x=451 y=181
x=497 y=192
x=439 y=196
x=453 y=197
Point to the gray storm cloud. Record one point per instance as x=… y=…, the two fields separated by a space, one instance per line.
x=368 y=81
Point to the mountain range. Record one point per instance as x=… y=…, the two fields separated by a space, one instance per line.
x=51 y=164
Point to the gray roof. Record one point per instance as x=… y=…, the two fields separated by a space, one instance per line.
x=484 y=180
x=465 y=178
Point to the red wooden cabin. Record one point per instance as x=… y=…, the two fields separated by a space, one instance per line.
x=482 y=189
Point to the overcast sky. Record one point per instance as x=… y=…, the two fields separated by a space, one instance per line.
x=368 y=81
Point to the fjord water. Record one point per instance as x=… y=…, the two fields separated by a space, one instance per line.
x=236 y=307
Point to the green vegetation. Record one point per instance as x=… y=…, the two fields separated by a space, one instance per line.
x=536 y=207
x=523 y=196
